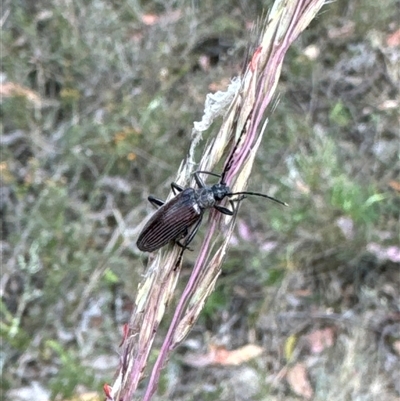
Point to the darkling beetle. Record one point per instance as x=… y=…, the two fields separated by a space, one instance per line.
x=172 y=221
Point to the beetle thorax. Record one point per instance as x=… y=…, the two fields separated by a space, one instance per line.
x=207 y=197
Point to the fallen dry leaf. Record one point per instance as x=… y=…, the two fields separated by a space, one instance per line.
x=302 y=186
x=204 y=62
x=302 y=293
x=393 y=40
x=298 y=381
x=319 y=340
x=167 y=18
x=222 y=356
x=150 y=19
x=342 y=32
x=10 y=89
x=243 y=354
x=396 y=347
x=388 y=104
x=395 y=185
x=199 y=360
x=391 y=253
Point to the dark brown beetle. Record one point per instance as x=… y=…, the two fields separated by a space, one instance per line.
x=173 y=220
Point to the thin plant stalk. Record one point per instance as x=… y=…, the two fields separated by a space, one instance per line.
x=242 y=129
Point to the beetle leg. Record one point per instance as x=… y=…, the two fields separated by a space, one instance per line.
x=189 y=239
x=225 y=210
x=232 y=202
x=183 y=246
x=155 y=201
x=158 y=202
x=179 y=243
x=239 y=199
x=176 y=187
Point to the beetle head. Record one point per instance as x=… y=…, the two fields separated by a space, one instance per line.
x=220 y=191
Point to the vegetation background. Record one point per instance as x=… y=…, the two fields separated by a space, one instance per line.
x=98 y=99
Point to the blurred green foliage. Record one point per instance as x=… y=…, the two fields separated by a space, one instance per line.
x=99 y=115
x=71 y=373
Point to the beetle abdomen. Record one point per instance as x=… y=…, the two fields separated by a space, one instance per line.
x=170 y=222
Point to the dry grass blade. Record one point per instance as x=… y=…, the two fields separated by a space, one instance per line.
x=242 y=127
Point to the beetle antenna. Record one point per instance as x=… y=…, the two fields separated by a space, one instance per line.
x=258 y=194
